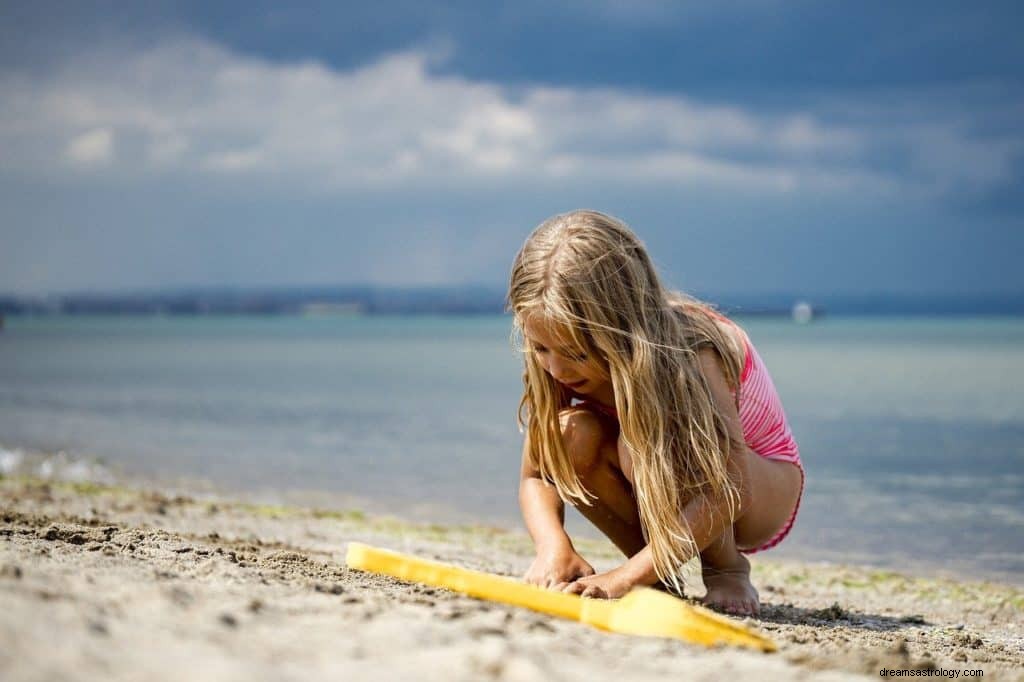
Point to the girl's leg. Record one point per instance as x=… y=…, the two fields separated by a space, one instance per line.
x=768 y=496
x=726 y=575
x=591 y=442
x=770 y=492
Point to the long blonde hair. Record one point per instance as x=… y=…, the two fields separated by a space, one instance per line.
x=591 y=276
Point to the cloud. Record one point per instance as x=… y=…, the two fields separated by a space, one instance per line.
x=191 y=106
x=237 y=160
x=91 y=148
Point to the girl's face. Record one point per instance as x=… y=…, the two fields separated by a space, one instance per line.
x=568 y=366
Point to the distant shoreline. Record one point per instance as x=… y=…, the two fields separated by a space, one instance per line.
x=470 y=301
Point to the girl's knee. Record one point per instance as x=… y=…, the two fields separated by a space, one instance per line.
x=582 y=436
x=625 y=460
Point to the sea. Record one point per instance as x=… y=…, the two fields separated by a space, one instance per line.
x=911 y=428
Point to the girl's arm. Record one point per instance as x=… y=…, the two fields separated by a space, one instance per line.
x=543 y=510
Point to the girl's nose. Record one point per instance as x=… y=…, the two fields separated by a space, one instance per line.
x=557 y=369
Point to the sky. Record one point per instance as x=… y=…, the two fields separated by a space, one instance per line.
x=815 y=148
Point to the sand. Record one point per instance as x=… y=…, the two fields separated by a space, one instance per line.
x=114 y=583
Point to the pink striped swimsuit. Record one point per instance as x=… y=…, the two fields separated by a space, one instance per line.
x=765 y=428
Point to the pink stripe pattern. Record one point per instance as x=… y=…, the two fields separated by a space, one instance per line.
x=765 y=428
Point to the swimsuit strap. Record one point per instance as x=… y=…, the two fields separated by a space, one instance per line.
x=593 y=405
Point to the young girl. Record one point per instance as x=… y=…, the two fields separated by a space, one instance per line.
x=649 y=412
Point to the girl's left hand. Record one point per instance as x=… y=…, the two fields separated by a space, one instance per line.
x=610 y=585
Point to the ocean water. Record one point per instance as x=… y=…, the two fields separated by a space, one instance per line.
x=911 y=430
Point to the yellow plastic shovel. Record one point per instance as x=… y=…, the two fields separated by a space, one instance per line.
x=644 y=611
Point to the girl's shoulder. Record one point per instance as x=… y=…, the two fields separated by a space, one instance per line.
x=733 y=333
x=736 y=334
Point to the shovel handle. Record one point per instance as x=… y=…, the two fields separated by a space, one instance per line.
x=474 y=583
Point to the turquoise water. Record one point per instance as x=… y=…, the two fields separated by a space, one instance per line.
x=912 y=430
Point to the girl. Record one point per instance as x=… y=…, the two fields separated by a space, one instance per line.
x=649 y=412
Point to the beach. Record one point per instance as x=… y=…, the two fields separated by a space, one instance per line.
x=124 y=583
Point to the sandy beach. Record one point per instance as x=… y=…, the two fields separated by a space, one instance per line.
x=115 y=583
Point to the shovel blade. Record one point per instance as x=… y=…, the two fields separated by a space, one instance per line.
x=652 y=613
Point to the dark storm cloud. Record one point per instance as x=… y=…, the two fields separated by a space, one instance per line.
x=756 y=145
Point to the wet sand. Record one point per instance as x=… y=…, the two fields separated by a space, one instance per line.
x=114 y=583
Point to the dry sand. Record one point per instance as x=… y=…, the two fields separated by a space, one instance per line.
x=111 y=583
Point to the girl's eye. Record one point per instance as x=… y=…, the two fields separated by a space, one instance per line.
x=575 y=357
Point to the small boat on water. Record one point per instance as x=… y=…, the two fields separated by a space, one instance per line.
x=803 y=312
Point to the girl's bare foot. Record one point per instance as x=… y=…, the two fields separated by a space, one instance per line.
x=730 y=589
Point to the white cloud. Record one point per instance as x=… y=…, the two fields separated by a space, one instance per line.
x=238 y=160
x=91 y=148
x=192 y=106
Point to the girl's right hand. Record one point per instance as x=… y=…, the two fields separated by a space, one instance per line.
x=555 y=567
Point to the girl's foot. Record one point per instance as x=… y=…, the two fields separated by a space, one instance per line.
x=730 y=590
